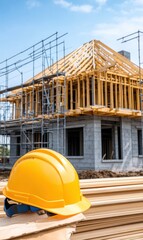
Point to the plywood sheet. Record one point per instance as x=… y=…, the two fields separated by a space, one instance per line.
x=31 y=223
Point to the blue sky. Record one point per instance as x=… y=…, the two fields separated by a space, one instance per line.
x=25 y=22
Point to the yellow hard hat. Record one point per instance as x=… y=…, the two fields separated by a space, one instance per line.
x=45 y=179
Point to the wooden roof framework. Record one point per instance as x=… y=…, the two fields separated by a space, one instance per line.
x=98 y=81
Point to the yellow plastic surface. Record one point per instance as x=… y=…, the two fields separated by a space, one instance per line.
x=46 y=179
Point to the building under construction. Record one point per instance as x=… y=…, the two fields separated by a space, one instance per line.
x=86 y=105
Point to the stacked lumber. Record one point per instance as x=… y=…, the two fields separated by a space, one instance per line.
x=2 y=185
x=116 y=211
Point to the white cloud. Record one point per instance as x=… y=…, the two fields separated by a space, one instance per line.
x=132 y=5
x=110 y=32
x=84 y=8
x=63 y=3
x=101 y=2
x=32 y=3
x=138 y=2
x=118 y=28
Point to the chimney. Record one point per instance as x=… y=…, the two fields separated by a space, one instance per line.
x=125 y=54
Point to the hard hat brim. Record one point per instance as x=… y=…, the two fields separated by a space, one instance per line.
x=72 y=209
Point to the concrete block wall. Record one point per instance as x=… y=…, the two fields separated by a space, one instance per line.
x=97 y=142
x=87 y=161
x=137 y=161
x=129 y=146
x=126 y=139
x=92 y=157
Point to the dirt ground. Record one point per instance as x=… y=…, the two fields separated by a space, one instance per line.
x=107 y=174
x=87 y=174
x=4 y=175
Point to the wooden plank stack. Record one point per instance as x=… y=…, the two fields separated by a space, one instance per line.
x=116 y=211
x=2 y=184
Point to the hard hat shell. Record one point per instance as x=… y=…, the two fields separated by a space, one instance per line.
x=45 y=179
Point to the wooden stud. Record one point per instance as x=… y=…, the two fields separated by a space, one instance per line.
x=78 y=92
x=105 y=94
x=111 y=94
x=130 y=97
x=36 y=104
x=125 y=96
x=138 y=99
x=57 y=96
x=98 y=87
x=101 y=92
x=120 y=94
x=71 y=95
x=93 y=90
x=87 y=91
x=83 y=92
x=116 y=96
x=67 y=94
x=31 y=101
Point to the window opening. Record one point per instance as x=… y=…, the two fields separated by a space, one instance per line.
x=74 y=142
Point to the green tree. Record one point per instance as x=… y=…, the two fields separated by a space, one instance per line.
x=4 y=151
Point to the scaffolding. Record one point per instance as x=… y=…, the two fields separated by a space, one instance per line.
x=28 y=107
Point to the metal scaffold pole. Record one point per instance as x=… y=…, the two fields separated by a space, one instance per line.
x=130 y=37
x=31 y=97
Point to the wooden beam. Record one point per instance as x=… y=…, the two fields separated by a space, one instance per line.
x=99 y=90
x=67 y=94
x=31 y=101
x=78 y=92
x=57 y=96
x=71 y=94
x=93 y=90
x=36 y=103
x=87 y=91
x=116 y=96
x=125 y=96
x=106 y=101
x=120 y=94
x=138 y=99
x=83 y=91
x=111 y=95
x=130 y=97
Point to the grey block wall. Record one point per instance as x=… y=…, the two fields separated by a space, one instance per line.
x=137 y=161
x=97 y=143
x=92 y=157
x=87 y=161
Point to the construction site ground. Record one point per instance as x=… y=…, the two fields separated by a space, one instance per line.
x=89 y=174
